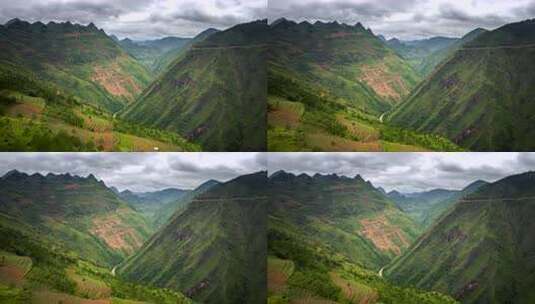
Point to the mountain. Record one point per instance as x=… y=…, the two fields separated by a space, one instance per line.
x=36 y=267
x=478 y=97
x=166 y=211
x=214 y=250
x=482 y=250
x=346 y=63
x=164 y=62
x=81 y=61
x=329 y=87
x=214 y=93
x=419 y=52
x=417 y=204
x=328 y=237
x=80 y=213
x=348 y=214
x=149 y=203
x=149 y=52
x=426 y=207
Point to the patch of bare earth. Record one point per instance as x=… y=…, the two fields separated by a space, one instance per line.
x=384 y=236
x=352 y=292
x=116 y=233
x=284 y=117
x=382 y=82
x=11 y=274
x=115 y=81
x=47 y=297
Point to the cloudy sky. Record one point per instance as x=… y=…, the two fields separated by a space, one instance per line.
x=139 y=19
x=139 y=171
x=408 y=172
x=408 y=19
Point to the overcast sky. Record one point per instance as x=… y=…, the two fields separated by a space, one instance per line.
x=408 y=19
x=408 y=172
x=139 y=19
x=139 y=171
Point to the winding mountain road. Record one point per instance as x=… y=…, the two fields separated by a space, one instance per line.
x=381 y=117
x=113 y=270
x=380 y=273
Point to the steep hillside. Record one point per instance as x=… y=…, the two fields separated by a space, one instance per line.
x=347 y=63
x=482 y=250
x=214 y=250
x=164 y=213
x=214 y=94
x=479 y=97
x=329 y=87
x=35 y=267
x=423 y=54
x=150 y=203
x=149 y=52
x=36 y=116
x=347 y=214
x=165 y=61
x=80 y=213
x=418 y=204
x=327 y=238
x=80 y=60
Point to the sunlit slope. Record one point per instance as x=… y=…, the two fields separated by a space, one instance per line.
x=214 y=250
x=214 y=94
x=480 y=98
x=481 y=251
x=81 y=60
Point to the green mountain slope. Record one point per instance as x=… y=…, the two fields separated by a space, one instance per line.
x=347 y=214
x=317 y=250
x=36 y=116
x=163 y=214
x=166 y=60
x=482 y=250
x=425 y=54
x=35 y=267
x=150 y=52
x=479 y=97
x=81 y=61
x=347 y=63
x=150 y=203
x=418 y=204
x=214 y=94
x=80 y=213
x=214 y=250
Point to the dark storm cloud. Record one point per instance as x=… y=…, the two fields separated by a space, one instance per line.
x=138 y=171
x=139 y=19
x=408 y=171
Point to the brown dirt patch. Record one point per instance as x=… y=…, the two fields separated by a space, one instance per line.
x=353 y=292
x=11 y=274
x=117 y=234
x=115 y=81
x=311 y=300
x=333 y=143
x=284 y=118
x=71 y=186
x=384 y=83
x=383 y=235
x=25 y=109
x=47 y=297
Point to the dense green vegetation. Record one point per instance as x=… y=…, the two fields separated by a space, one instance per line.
x=213 y=250
x=56 y=273
x=80 y=213
x=36 y=116
x=80 y=60
x=194 y=96
x=479 y=251
x=479 y=97
x=150 y=52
